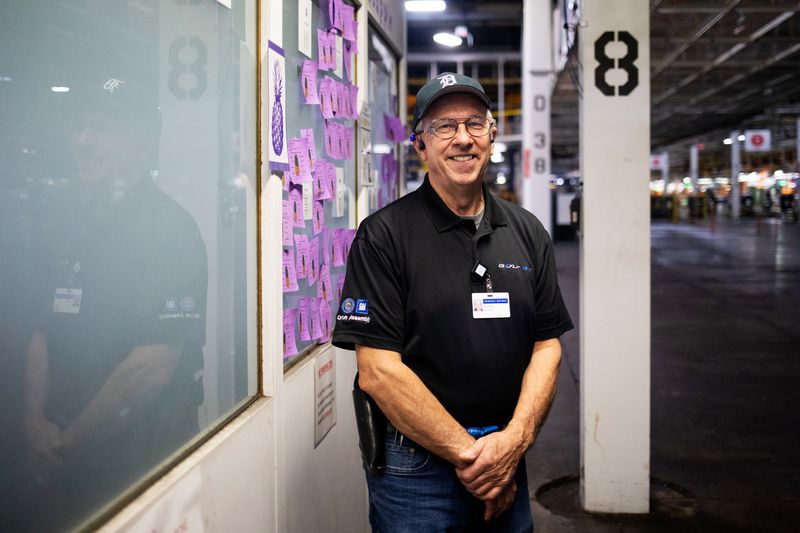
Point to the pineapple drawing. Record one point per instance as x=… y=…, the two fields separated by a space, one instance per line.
x=277 y=110
x=296 y=166
x=303 y=260
x=305 y=87
x=286 y=276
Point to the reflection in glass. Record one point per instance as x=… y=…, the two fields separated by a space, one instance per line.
x=123 y=194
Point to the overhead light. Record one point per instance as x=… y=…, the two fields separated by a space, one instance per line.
x=727 y=141
x=59 y=89
x=5 y=78
x=447 y=39
x=500 y=147
x=501 y=178
x=381 y=149
x=497 y=157
x=740 y=138
x=461 y=31
x=425 y=6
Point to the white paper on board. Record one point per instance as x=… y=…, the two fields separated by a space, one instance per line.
x=340 y=192
x=304 y=31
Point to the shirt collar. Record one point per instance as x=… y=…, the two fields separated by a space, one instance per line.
x=444 y=219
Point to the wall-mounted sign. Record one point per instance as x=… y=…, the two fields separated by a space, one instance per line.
x=757 y=140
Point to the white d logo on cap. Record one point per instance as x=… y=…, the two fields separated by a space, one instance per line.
x=447 y=80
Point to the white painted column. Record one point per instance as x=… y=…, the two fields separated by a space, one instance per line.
x=694 y=166
x=537 y=66
x=615 y=257
x=736 y=168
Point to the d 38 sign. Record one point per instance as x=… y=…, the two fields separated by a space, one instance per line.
x=625 y=63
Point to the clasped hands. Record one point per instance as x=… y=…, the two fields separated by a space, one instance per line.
x=48 y=447
x=487 y=470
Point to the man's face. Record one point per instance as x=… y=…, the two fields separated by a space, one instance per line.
x=461 y=160
x=101 y=148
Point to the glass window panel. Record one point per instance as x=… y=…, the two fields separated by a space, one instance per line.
x=385 y=181
x=127 y=163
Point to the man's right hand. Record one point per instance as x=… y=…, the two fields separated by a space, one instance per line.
x=44 y=438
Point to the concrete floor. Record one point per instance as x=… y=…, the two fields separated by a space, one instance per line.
x=725 y=391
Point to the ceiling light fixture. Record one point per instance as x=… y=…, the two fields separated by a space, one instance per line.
x=425 y=6
x=59 y=89
x=447 y=39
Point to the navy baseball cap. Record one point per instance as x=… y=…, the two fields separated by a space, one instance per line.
x=446 y=83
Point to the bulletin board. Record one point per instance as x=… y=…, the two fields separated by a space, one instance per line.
x=311 y=115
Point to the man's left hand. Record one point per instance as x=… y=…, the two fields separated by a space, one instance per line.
x=492 y=463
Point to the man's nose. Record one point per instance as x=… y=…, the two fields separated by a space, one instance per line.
x=462 y=135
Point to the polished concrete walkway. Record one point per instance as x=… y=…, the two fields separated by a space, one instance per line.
x=725 y=386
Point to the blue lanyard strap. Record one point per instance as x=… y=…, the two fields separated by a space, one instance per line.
x=478 y=432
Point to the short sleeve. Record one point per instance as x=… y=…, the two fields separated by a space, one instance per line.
x=552 y=317
x=371 y=311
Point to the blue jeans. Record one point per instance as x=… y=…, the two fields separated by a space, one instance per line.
x=419 y=492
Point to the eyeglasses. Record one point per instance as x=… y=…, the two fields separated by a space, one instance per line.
x=446 y=128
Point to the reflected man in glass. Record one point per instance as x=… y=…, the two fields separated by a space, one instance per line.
x=114 y=366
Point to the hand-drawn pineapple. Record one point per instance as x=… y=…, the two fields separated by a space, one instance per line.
x=296 y=166
x=277 y=110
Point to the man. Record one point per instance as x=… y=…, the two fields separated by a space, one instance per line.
x=456 y=330
x=114 y=365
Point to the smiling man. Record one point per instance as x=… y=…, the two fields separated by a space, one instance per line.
x=461 y=348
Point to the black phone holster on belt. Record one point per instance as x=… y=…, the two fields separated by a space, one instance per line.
x=371 y=423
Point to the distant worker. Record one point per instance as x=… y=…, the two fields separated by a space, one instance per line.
x=456 y=328
x=114 y=370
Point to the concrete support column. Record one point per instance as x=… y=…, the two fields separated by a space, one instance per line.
x=615 y=257
x=736 y=168
x=694 y=166
x=536 y=71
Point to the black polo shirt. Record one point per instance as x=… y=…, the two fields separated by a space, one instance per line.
x=409 y=288
x=141 y=270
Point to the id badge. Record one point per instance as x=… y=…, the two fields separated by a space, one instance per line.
x=67 y=301
x=491 y=305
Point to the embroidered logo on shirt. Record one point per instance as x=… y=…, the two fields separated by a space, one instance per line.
x=348 y=305
x=361 y=307
x=512 y=266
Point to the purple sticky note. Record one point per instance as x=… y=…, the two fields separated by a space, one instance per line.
x=313 y=254
x=348 y=60
x=350 y=235
x=326 y=321
x=299 y=164
x=303 y=305
x=348 y=17
x=329 y=138
x=316 y=327
x=322 y=189
x=338 y=248
x=303 y=260
x=308 y=82
x=335 y=14
x=288 y=273
x=308 y=135
x=326 y=97
x=324 y=289
x=322 y=50
x=287 y=223
x=318 y=217
x=347 y=137
x=296 y=205
x=289 y=327
x=331 y=174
